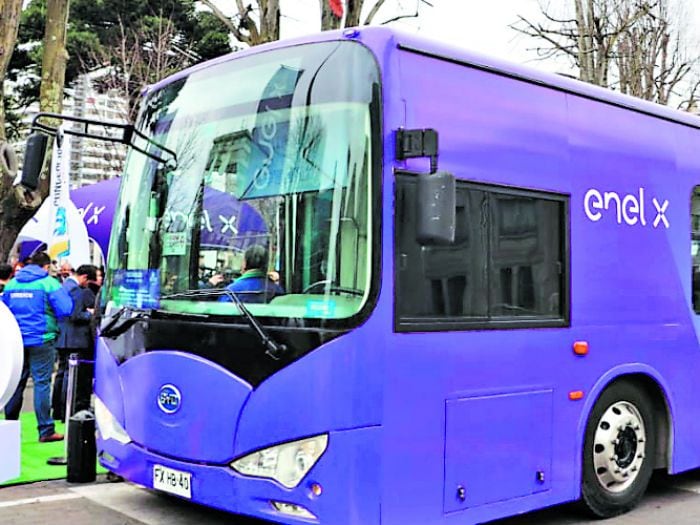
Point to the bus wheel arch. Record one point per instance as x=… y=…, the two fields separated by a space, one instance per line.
x=627 y=435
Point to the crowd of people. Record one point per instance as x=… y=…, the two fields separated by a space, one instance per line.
x=54 y=308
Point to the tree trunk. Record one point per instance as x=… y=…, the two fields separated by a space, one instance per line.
x=17 y=206
x=352 y=12
x=9 y=25
x=269 y=21
x=328 y=19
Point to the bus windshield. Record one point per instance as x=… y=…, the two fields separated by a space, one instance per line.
x=270 y=197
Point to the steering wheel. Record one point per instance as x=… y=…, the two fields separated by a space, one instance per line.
x=332 y=288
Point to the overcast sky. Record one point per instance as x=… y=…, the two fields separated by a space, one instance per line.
x=479 y=25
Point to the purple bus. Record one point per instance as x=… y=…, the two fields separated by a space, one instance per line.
x=489 y=286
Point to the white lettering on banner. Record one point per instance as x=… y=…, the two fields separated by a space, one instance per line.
x=629 y=209
x=206 y=221
x=96 y=212
x=59 y=245
x=228 y=224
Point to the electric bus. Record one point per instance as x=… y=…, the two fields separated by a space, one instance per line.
x=490 y=282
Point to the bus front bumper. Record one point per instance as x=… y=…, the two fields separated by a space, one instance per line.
x=342 y=488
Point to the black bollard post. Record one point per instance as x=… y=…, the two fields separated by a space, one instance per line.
x=72 y=379
x=82 y=452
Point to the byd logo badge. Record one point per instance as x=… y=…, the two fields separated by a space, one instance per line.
x=169 y=399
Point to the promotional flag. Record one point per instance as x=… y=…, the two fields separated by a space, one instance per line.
x=263 y=176
x=67 y=237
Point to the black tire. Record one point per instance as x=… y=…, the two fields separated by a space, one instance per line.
x=603 y=493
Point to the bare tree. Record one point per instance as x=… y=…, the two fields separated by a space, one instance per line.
x=140 y=57
x=259 y=22
x=251 y=25
x=17 y=205
x=348 y=13
x=653 y=61
x=9 y=25
x=630 y=45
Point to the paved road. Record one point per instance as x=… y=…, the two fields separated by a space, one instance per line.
x=673 y=501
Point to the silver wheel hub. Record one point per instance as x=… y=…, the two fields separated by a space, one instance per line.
x=619 y=446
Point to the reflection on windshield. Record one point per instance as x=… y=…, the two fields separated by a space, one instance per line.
x=272 y=193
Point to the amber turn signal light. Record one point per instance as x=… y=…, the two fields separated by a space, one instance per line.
x=581 y=347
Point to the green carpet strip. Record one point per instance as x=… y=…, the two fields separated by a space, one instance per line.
x=33 y=466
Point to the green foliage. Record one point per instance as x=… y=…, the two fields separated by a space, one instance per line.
x=13 y=117
x=211 y=36
x=98 y=26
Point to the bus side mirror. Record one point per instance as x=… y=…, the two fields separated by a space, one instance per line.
x=34 y=156
x=436 y=211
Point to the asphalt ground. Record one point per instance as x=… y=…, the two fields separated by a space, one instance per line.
x=670 y=500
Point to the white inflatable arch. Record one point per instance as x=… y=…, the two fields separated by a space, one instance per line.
x=11 y=354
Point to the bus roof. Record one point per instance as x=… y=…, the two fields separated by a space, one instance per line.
x=442 y=51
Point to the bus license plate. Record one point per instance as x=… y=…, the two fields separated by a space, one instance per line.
x=172 y=481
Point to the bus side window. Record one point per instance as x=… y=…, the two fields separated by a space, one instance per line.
x=695 y=246
x=507 y=262
x=441 y=281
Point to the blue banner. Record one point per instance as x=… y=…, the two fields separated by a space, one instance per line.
x=263 y=174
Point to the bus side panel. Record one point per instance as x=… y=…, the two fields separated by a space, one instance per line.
x=523 y=448
x=629 y=284
x=631 y=271
x=495 y=130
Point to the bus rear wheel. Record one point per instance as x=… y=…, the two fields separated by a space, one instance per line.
x=618 y=450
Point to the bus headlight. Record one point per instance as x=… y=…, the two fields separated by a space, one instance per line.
x=108 y=425
x=287 y=463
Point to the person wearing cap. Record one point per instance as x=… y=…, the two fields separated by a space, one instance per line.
x=37 y=301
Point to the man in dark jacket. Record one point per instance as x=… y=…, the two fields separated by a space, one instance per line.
x=37 y=301
x=75 y=337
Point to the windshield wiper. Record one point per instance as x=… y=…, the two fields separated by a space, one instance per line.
x=112 y=330
x=272 y=348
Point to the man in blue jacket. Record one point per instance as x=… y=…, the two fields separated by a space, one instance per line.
x=37 y=302
x=254 y=285
x=75 y=337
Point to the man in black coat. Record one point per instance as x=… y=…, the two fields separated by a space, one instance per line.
x=75 y=337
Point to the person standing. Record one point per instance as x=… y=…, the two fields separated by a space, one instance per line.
x=65 y=271
x=96 y=284
x=5 y=276
x=75 y=337
x=37 y=302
